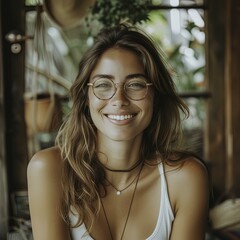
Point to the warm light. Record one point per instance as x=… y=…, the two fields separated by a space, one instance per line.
x=175 y=21
x=200 y=36
x=196 y=17
x=174 y=3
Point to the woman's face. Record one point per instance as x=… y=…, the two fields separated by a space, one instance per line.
x=119 y=118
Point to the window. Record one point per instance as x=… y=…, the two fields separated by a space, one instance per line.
x=179 y=27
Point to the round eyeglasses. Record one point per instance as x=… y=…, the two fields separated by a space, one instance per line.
x=105 y=89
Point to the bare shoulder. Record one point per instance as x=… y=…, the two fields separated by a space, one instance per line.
x=188 y=169
x=44 y=176
x=47 y=159
x=189 y=193
x=44 y=173
x=188 y=179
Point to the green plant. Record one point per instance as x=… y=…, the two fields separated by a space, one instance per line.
x=112 y=12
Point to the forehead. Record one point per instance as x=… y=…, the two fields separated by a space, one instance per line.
x=118 y=60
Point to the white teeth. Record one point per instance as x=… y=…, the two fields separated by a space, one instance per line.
x=120 y=117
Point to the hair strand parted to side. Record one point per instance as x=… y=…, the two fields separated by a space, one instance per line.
x=83 y=176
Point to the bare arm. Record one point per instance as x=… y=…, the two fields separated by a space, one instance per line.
x=190 y=186
x=44 y=189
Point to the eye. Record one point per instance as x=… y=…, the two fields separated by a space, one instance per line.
x=136 y=84
x=103 y=84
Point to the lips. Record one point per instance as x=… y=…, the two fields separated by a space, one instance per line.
x=120 y=117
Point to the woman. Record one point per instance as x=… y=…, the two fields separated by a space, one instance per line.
x=114 y=173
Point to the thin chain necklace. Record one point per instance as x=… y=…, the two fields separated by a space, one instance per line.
x=119 y=191
x=129 y=209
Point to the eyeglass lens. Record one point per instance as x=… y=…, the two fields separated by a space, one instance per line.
x=135 y=89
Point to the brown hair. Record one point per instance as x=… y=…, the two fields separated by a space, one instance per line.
x=83 y=176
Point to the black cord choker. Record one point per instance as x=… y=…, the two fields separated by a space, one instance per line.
x=135 y=165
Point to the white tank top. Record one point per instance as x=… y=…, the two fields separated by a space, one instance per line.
x=164 y=223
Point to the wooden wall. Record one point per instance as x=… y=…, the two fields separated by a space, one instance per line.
x=232 y=92
x=215 y=134
x=13 y=18
x=222 y=140
x=3 y=167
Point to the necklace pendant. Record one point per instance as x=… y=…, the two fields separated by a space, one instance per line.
x=118 y=193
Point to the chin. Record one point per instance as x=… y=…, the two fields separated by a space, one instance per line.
x=123 y=137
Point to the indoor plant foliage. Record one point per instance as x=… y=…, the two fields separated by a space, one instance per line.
x=112 y=12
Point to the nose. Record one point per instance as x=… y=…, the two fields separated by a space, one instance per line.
x=119 y=99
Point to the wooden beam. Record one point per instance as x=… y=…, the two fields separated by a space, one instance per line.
x=3 y=167
x=14 y=87
x=215 y=145
x=232 y=84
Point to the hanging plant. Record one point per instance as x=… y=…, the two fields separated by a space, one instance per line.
x=112 y=12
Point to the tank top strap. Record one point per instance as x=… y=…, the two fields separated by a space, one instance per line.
x=161 y=168
x=164 y=187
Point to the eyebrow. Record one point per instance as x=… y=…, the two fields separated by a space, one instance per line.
x=111 y=77
x=136 y=75
x=103 y=76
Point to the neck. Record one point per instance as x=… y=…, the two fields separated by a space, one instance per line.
x=119 y=155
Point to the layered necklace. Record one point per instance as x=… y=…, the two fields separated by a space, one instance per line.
x=119 y=191
x=130 y=205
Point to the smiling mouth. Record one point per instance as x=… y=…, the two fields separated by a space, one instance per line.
x=120 y=117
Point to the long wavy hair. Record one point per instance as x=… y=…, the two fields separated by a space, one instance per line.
x=83 y=176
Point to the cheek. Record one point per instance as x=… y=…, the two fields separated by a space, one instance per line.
x=92 y=101
x=95 y=107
